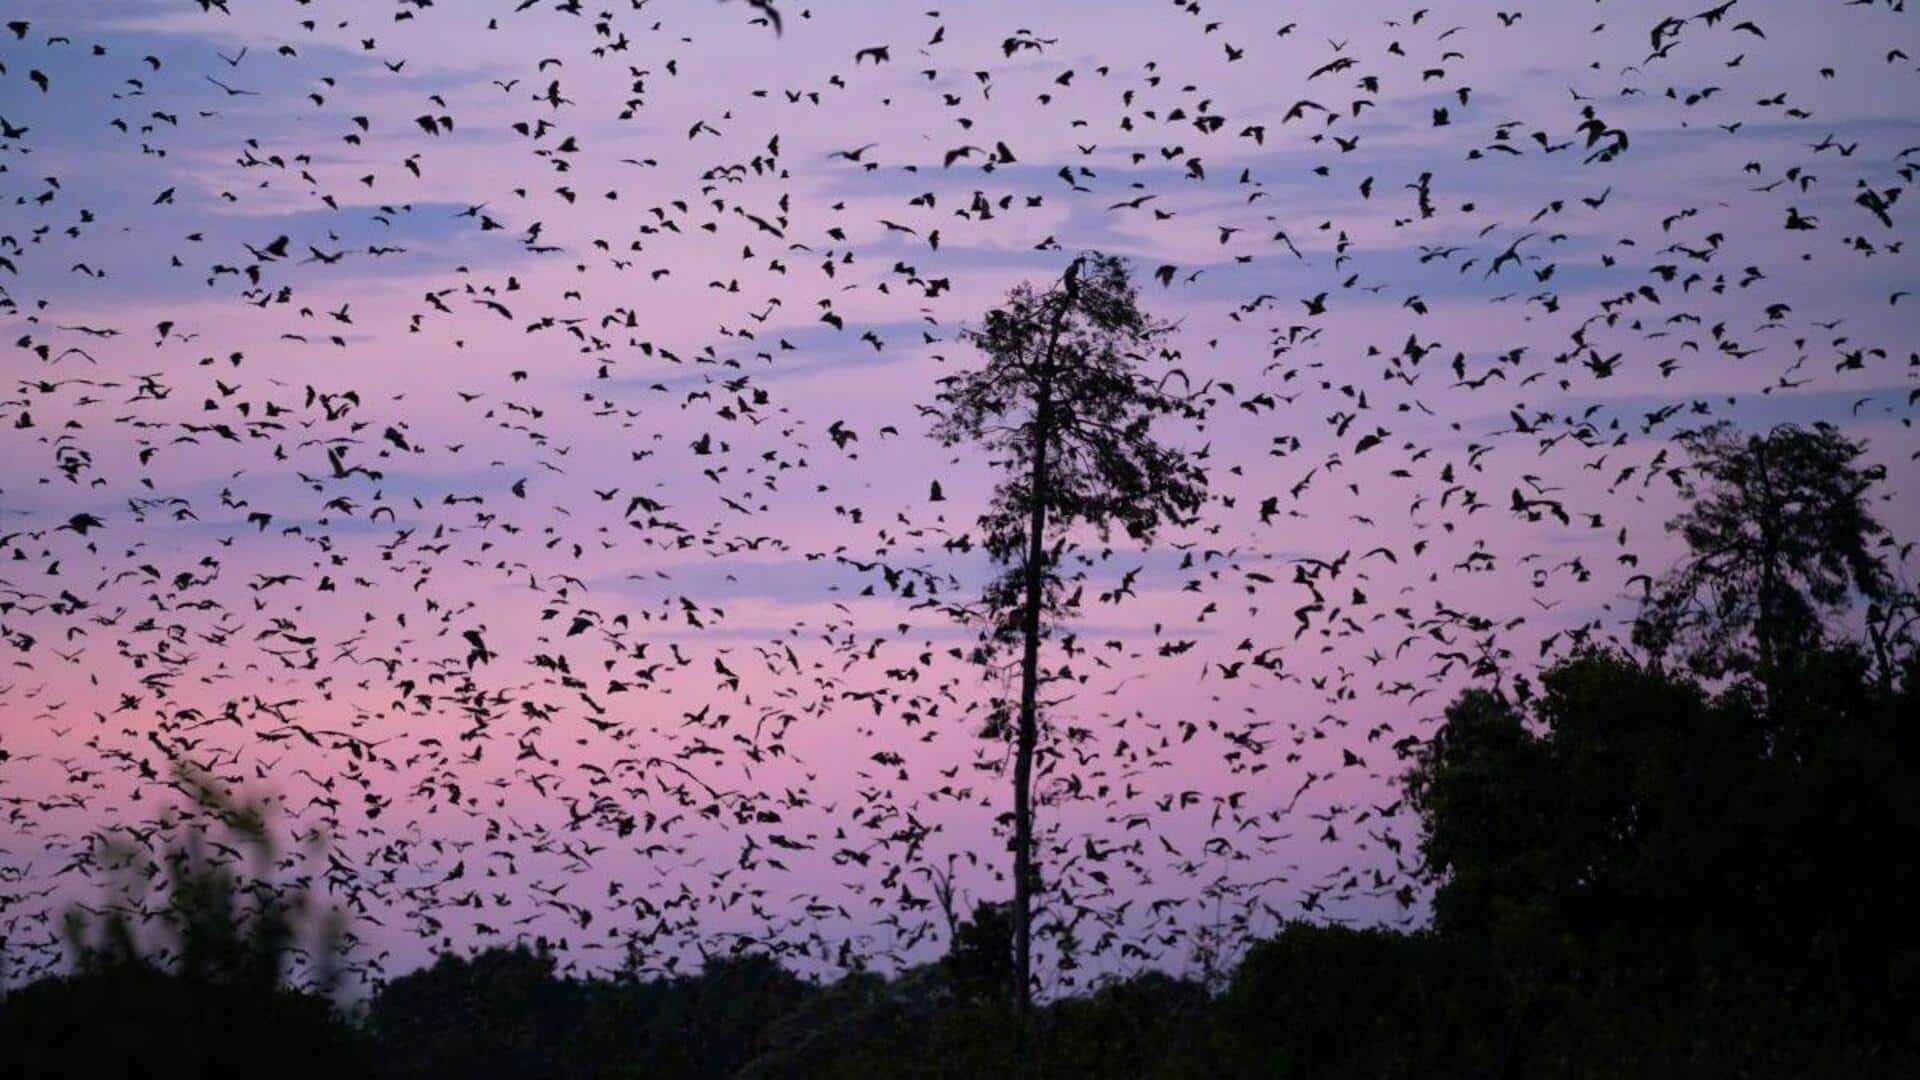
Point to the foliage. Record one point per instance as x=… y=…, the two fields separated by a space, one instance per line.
x=1064 y=384
x=519 y=1018
x=211 y=997
x=1780 y=542
x=1332 y=1001
x=136 y=1020
x=1700 y=884
x=1680 y=878
x=979 y=963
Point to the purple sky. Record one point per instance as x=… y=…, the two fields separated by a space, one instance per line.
x=551 y=310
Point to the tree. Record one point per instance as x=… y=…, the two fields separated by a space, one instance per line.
x=1066 y=414
x=979 y=961
x=183 y=970
x=1339 y=1001
x=1702 y=869
x=1779 y=538
x=1639 y=876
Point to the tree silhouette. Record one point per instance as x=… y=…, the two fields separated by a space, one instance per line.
x=1779 y=538
x=194 y=966
x=1066 y=414
x=1660 y=865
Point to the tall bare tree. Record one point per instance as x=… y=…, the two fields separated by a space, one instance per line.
x=1065 y=410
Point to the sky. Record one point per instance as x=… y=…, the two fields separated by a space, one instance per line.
x=497 y=434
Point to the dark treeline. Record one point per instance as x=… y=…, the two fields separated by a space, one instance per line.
x=1694 y=858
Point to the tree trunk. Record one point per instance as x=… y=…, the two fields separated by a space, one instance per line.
x=1027 y=733
x=1766 y=620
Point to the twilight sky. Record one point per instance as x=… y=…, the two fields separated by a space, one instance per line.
x=492 y=431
